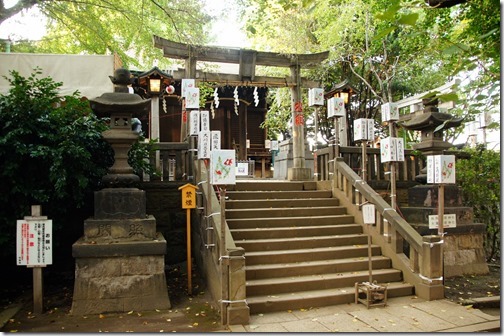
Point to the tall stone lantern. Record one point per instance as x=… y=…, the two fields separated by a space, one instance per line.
x=463 y=246
x=120 y=259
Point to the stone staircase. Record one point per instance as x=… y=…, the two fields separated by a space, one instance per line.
x=302 y=250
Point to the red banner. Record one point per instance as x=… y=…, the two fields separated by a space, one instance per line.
x=299 y=120
x=298 y=107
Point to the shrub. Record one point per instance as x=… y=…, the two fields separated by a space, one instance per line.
x=51 y=153
x=479 y=178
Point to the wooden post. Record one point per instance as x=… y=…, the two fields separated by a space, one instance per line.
x=393 y=193
x=38 y=279
x=441 y=209
x=336 y=140
x=370 y=256
x=189 y=261
x=315 y=159
x=209 y=227
x=224 y=258
x=364 y=160
x=188 y=203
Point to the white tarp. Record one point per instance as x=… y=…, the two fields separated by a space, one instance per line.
x=86 y=73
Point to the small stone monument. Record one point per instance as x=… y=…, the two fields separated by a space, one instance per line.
x=120 y=259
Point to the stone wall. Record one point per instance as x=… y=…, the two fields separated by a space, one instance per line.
x=165 y=204
x=464 y=254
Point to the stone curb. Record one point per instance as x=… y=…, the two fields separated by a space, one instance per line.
x=483 y=302
x=8 y=313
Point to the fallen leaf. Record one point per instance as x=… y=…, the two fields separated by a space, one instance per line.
x=102 y=316
x=469 y=307
x=168 y=320
x=161 y=330
x=195 y=324
x=130 y=312
x=158 y=310
x=289 y=311
x=139 y=314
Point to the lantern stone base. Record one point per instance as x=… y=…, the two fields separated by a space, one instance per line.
x=299 y=174
x=120 y=276
x=463 y=250
x=284 y=162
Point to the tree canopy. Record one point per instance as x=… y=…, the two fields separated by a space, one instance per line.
x=389 y=49
x=124 y=27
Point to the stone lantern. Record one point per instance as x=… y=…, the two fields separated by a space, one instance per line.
x=463 y=248
x=427 y=123
x=120 y=259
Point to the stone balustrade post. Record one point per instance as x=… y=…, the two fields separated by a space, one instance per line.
x=238 y=311
x=431 y=269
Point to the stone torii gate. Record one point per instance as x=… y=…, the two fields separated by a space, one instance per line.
x=247 y=60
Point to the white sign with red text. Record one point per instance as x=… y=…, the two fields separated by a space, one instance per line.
x=34 y=242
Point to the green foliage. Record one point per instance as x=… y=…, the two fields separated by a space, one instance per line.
x=139 y=154
x=279 y=113
x=388 y=49
x=51 y=153
x=479 y=177
x=123 y=27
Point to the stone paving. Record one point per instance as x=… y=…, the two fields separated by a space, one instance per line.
x=404 y=314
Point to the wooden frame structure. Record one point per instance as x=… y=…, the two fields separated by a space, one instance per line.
x=248 y=60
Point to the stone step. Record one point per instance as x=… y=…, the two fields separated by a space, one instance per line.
x=311 y=254
x=300 y=231
x=284 y=212
x=292 y=222
x=317 y=298
x=257 y=185
x=280 y=203
x=252 y=245
x=315 y=267
x=275 y=286
x=255 y=195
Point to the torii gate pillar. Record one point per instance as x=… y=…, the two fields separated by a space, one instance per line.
x=299 y=171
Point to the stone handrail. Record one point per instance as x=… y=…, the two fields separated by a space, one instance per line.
x=174 y=160
x=236 y=311
x=376 y=171
x=422 y=267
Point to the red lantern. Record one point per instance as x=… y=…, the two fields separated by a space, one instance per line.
x=170 y=89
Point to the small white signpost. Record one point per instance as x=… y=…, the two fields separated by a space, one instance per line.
x=34 y=249
x=441 y=170
x=370 y=293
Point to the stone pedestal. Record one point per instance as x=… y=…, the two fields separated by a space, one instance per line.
x=464 y=253
x=120 y=258
x=284 y=163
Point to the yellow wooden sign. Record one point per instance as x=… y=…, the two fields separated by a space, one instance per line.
x=188 y=196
